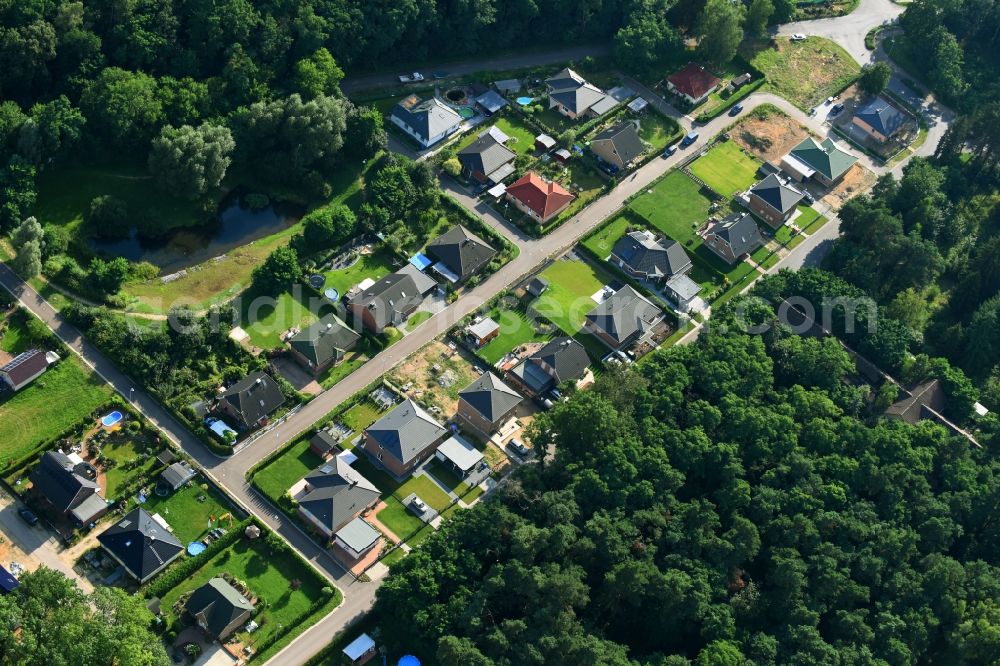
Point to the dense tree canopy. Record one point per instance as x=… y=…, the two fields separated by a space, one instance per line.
x=190 y=162
x=732 y=501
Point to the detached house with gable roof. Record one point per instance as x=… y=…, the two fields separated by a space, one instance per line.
x=825 y=162
x=251 y=400
x=460 y=253
x=391 y=300
x=623 y=319
x=641 y=255
x=694 y=83
x=539 y=198
x=24 y=368
x=774 y=201
x=619 y=145
x=733 y=237
x=426 y=120
x=561 y=360
x=404 y=438
x=571 y=95
x=487 y=160
x=69 y=487
x=323 y=345
x=219 y=608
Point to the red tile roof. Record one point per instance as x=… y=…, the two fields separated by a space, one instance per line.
x=543 y=197
x=693 y=80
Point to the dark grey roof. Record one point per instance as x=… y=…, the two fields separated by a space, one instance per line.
x=217 y=605
x=55 y=479
x=740 y=232
x=485 y=155
x=624 y=140
x=489 y=396
x=461 y=250
x=323 y=441
x=624 y=314
x=177 y=474
x=166 y=456
x=643 y=253
x=881 y=116
x=141 y=544
x=562 y=359
x=395 y=293
x=254 y=397
x=537 y=286
x=428 y=117
x=406 y=431
x=776 y=194
x=326 y=340
x=337 y=493
x=573 y=92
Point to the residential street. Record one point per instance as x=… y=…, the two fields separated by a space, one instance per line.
x=848 y=31
x=231 y=472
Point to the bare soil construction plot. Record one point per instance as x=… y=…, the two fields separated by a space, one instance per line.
x=854 y=182
x=434 y=376
x=769 y=138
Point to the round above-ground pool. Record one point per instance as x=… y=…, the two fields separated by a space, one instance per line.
x=112 y=419
x=466 y=112
x=409 y=660
x=196 y=548
x=525 y=101
x=332 y=294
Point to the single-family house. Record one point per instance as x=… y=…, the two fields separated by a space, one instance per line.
x=733 y=237
x=483 y=331
x=561 y=360
x=24 y=368
x=879 y=119
x=333 y=495
x=323 y=444
x=693 y=82
x=391 y=300
x=177 y=475
x=251 y=400
x=539 y=198
x=323 y=345
x=623 y=319
x=774 y=200
x=404 y=438
x=141 y=543
x=460 y=455
x=426 y=120
x=825 y=162
x=460 y=253
x=571 y=95
x=487 y=403
x=69 y=486
x=491 y=102
x=641 y=255
x=487 y=160
x=619 y=145
x=219 y=608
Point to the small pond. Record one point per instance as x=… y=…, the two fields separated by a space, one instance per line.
x=180 y=248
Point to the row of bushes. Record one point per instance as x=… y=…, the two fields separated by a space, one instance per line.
x=742 y=93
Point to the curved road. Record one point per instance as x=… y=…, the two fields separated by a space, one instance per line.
x=230 y=472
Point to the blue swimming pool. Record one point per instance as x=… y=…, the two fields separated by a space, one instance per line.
x=112 y=419
x=525 y=101
x=196 y=548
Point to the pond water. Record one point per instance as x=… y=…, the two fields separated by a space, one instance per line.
x=180 y=248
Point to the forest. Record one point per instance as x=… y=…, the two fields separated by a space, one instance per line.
x=734 y=501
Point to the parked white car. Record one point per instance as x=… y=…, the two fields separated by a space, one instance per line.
x=798 y=37
x=411 y=78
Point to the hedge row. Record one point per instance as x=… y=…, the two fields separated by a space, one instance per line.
x=743 y=93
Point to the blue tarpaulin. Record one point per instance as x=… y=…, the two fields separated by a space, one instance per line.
x=421 y=261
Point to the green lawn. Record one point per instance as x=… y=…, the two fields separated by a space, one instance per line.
x=554 y=121
x=515 y=329
x=726 y=168
x=372 y=266
x=123 y=450
x=675 y=206
x=658 y=130
x=583 y=181
x=805 y=73
x=426 y=490
x=783 y=234
x=567 y=300
x=604 y=239
x=417 y=319
x=266 y=319
x=809 y=220
x=14 y=337
x=764 y=257
x=269 y=576
x=43 y=410
x=189 y=510
x=398 y=518
x=360 y=416
x=445 y=475
x=275 y=479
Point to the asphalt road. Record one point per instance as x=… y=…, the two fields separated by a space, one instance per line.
x=848 y=31
x=353 y=84
x=230 y=472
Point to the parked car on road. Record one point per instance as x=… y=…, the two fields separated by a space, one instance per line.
x=670 y=150
x=736 y=110
x=411 y=78
x=689 y=139
x=835 y=109
x=27 y=516
x=798 y=37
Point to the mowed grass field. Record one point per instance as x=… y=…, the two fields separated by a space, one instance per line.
x=43 y=410
x=602 y=241
x=806 y=72
x=675 y=206
x=726 y=169
x=522 y=139
x=515 y=330
x=568 y=298
x=658 y=130
x=291 y=466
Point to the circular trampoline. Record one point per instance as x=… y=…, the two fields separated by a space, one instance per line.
x=316 y=280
